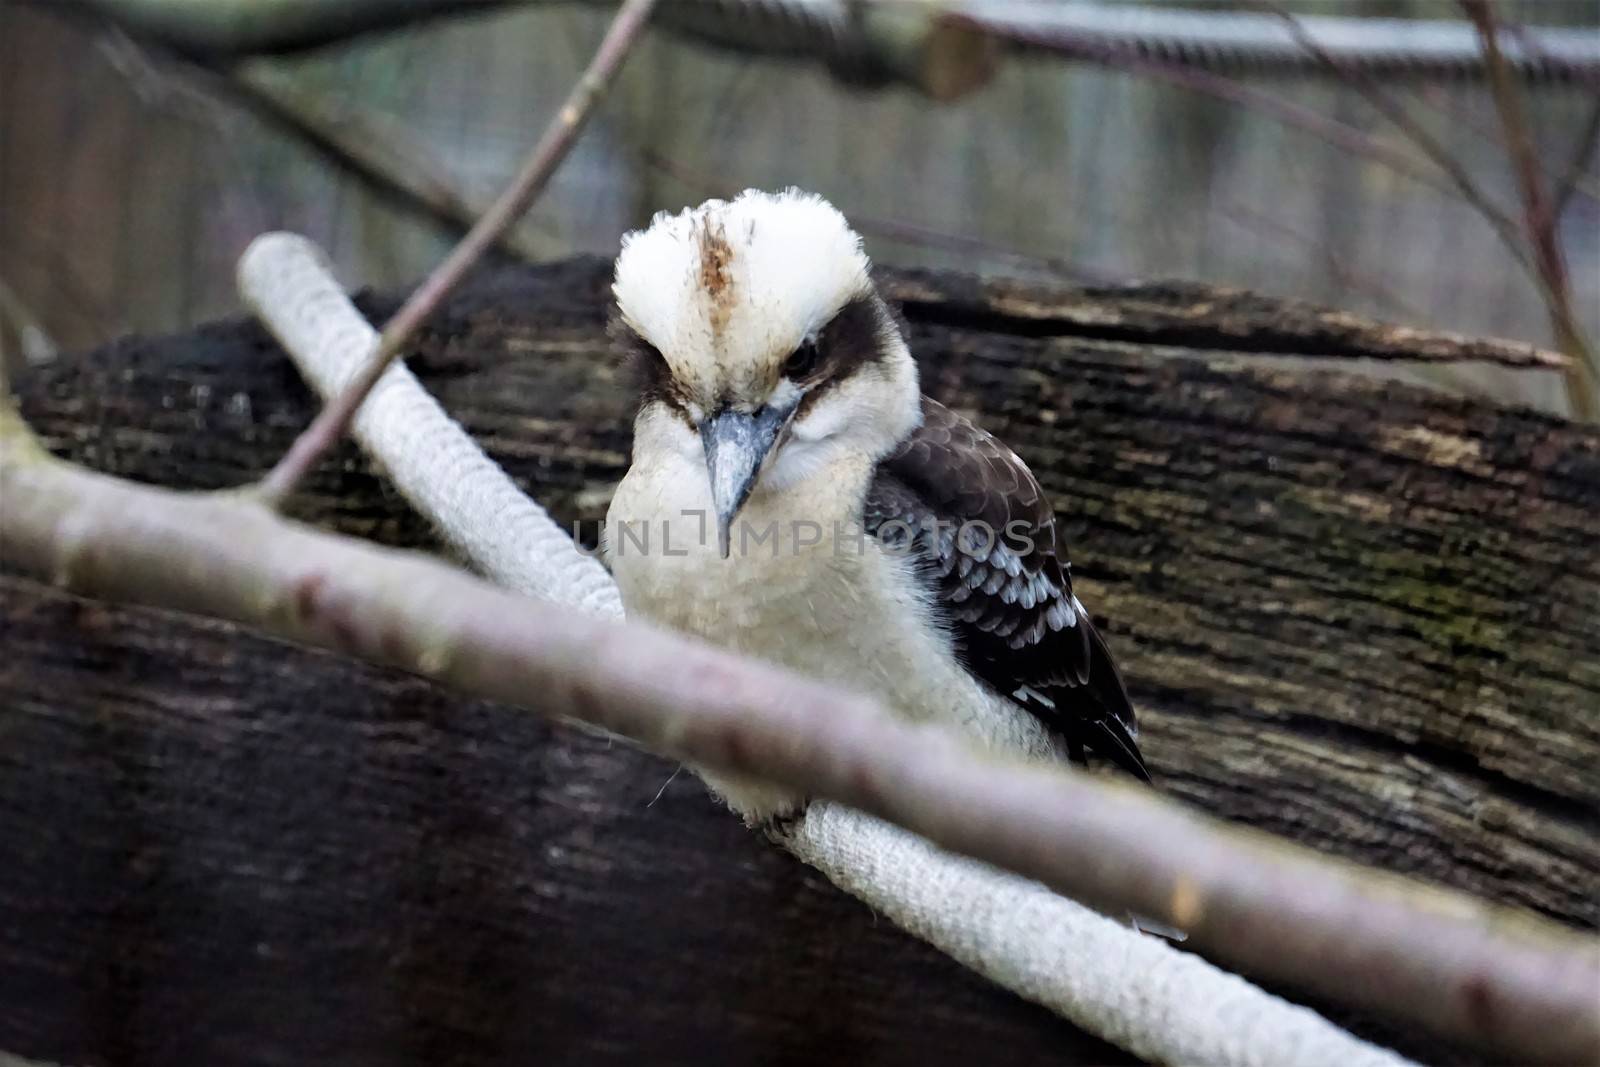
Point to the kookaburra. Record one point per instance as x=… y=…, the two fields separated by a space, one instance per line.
x=795 y=497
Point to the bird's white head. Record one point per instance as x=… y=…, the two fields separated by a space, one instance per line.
x=762 y=345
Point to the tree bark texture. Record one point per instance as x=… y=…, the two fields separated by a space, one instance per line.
x=1358 y=614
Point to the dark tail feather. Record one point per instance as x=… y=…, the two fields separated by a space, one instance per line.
x=1109 y=738
x=1113 y=734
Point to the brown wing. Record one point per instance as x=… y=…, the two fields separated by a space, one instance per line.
x=973 y=511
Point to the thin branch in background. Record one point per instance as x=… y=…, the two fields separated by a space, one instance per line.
x=1545 y=267
x=1575 y=178
x=911 y=233
x=892 y=230
x=238 y=28
x=377 y=150
x=1519 y=986
x=331 y=423
x=178 y=88
x=1463 y=182
x=1434 y=98
x=34 y=340
x=49 y=253
x=1341 y=135
x=1346 y=275
x=1583 y=376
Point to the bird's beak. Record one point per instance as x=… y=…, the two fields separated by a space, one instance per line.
x=736 y=443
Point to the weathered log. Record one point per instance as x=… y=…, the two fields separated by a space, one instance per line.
x=1358 y=614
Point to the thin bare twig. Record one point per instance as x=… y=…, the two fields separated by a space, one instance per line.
x=1105 y=977
x=1274 y=106
x=940 y=52
x=331 y=423
x=1583 y=375
x=32 y=337
x=1520 y=986
x=380 y=152
x=1343 y=273
x=1574 y=178
x=1545 y=267
x=1463 y=182
x=894 y=230
x=238 y=28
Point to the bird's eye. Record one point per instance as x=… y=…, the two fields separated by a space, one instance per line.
x=803 y=360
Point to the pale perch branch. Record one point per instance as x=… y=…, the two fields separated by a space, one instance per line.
x=432 y=461
x=1078 y=961
x=1517 y=985
x=237 y=560
x=270 y=267
x=1129 y=988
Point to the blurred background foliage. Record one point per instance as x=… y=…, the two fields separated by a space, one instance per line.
x=129 y=185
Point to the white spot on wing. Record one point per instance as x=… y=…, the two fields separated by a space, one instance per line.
x=1025 y=693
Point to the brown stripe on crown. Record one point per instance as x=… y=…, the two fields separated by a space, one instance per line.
x=716 y=279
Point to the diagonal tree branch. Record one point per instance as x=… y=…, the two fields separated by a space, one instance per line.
x=1104 y=976
x=1516 y=985
x=381 y=153
x=541 y=163
x=429 y=457
x=378 y=151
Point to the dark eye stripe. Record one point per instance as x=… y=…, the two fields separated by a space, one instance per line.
x=803 y=360
x=651 y=375
x=853 y=339
x=855 y=335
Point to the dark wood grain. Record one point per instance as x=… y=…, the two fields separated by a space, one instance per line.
x=1357 y=614
x=223 y=849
